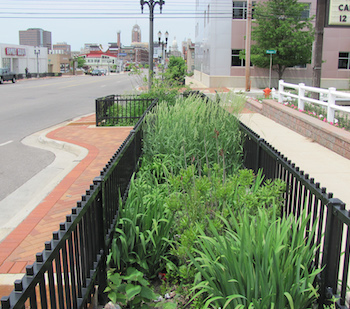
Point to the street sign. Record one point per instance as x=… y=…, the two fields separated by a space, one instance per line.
x=271 y=51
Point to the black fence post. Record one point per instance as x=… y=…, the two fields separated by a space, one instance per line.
x=97 y=112
x=258 y=154
x=331 y=250
x=102 y=274
x=134 y=134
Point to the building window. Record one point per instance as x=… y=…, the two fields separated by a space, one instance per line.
x=300 y=66
x=236 y=61
x=306 y=13
x=240 y=8
x=343 y=62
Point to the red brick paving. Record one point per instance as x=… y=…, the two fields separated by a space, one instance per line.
x=18 y=249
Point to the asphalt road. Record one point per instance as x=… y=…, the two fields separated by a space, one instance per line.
x=29 y=106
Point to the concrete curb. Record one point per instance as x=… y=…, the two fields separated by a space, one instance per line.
x=23 y=200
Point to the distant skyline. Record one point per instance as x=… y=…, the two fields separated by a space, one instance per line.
x=85 y=21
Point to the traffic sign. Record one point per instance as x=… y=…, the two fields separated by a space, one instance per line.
x=271 y=51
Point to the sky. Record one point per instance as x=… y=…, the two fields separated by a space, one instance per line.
x=86 y=21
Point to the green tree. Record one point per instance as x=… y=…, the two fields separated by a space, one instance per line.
x=281 y=25
x=176 y=70
x=81 y=62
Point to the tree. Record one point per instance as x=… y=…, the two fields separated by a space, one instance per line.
x=280 y=25
x=176 y=70
x=80 y=62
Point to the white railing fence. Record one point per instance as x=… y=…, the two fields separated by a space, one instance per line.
x=329 y=97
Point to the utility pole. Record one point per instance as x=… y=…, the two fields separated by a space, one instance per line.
x=317 y=55
x=151 y=4
x=247 y=45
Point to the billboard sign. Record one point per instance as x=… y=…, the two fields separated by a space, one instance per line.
x=13 y=51
x=338 y=13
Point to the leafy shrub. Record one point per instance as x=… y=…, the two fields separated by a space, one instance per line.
x=130 y=289
x=197 y=201
x=176 y=71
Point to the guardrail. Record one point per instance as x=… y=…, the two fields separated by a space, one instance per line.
x=74 y=261
x=331 y=96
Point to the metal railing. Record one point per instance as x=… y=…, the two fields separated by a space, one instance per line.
x=114 y=110
x=74 y=261
x=331 y=96
x=327 y=215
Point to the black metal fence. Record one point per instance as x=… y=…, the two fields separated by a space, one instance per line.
x=327 y=214
x=73 y=262
x=114 y=110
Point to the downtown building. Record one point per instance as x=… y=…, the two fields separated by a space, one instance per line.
x=19 y=57
x=220 y=40
x=36 y=37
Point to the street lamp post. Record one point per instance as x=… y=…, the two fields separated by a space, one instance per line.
x=37 y=53
x=151 y=4
x=163 y=44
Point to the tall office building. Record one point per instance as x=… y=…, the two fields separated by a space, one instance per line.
x=136 y=34
x=35 y=37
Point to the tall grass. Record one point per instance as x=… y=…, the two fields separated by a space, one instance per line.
x=194 y=132
x=143 y=231
x=257 y=263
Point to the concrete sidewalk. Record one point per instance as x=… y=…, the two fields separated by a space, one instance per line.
x=28 y=237
x=331 y=170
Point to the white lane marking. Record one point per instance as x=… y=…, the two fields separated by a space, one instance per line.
x=6 y=143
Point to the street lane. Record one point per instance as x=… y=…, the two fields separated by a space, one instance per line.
x=29 y=106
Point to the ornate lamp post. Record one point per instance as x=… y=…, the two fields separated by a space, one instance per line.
x=37 y=53
x=163 y=44
x=151 y=4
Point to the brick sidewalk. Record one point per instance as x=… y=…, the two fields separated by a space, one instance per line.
x=18 y=249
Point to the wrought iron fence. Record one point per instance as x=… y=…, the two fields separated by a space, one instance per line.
x=114 y=110
x=74 y=261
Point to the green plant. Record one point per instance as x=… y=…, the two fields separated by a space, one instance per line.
x=176 y=71
x=144 y=231
x=130 y=289
x=257 y=263
x=192 y=130
x=164 y=89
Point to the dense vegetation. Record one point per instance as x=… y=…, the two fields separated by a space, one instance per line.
x=199 y=229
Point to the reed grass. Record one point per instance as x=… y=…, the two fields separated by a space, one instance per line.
x=257 y=263
x=193 y=131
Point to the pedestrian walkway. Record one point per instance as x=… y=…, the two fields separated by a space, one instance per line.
x=328 y=168
x=19 y=248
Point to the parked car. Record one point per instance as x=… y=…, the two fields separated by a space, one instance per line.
x=6 y=74
x=97 y=72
